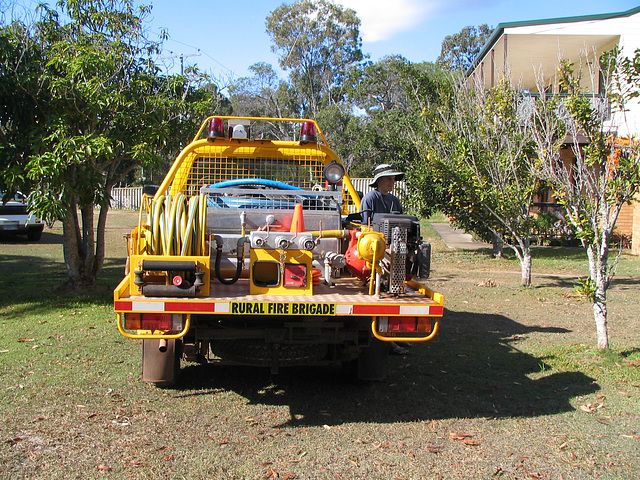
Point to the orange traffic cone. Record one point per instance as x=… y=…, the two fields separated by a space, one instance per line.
x=297 y=222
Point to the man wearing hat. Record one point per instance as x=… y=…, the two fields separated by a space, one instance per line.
x=381 y=200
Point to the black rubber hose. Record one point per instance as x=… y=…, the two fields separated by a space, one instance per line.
x=169 y=265
x=219 y=276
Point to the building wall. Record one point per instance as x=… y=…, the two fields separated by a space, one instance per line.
x=529 y=52
x=624 y=225
x=527 y=48
x=635 y=240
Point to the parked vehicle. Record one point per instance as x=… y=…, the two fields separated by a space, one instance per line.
x=251 y=252
x=16 y=217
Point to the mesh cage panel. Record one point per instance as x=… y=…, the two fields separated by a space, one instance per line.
x=298 y=167
x=398 y=260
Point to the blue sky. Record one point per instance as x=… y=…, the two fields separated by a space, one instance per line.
x=229 y=36
x=225 y=37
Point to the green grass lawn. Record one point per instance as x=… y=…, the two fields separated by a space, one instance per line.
x=512 y=386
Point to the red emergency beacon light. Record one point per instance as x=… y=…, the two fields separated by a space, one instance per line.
x=216 y=128
x=308 y=132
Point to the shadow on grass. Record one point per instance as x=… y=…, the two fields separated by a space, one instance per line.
x=24 y=277
x=35 y=279
x=547 y=280
x=539 y=253
x=472 y=369
x=48 y=238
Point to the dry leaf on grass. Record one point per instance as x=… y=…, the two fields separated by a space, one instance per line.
x=459 y=436
x=591 y=407
x=382 y=446
x=464 y=438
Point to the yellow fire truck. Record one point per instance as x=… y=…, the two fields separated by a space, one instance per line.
x=252 y=252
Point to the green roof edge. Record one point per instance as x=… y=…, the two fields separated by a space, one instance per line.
x=497 y=33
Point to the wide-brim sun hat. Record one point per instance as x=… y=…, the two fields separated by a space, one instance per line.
x=385 y=170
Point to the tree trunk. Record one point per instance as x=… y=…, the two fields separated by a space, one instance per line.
x=100 y=239
x=498 y=246
x=525 y=265
x=88 y=239
x=599 y=265
x=79 y=249
x=524 y=255
x=600 y=316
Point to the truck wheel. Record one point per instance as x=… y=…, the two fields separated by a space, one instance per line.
x=372 y=361
x=34 y=234
x=161 y=367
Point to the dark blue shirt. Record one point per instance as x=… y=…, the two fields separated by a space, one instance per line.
x=375 y=202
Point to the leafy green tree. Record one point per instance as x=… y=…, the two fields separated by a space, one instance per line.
x=20 y=67
x=459 y=50
x=263 y=94
x=602 y=172
x=317 y=42
x=476 y=149
x=379 y=86
x=385 y=91
x=102 y=110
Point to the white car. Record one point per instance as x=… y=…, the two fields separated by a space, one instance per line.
x=16 y=218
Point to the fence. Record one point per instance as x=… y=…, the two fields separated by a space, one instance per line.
x=362 y=185
x=129 y=198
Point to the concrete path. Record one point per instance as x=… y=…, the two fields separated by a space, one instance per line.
x=455 y=238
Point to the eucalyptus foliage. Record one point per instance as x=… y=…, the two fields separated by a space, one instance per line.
x=458 y=51
x=317 y=42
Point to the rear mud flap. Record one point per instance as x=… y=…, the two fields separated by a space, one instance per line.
x=160 y=367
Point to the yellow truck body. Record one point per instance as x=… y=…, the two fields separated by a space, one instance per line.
x=251 y=252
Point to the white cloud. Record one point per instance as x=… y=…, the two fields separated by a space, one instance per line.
x=383 y=19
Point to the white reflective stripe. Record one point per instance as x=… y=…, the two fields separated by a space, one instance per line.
x=147 y=306
x=383 y=324
x=221 y=308
x=344 y=309
x=414 y=309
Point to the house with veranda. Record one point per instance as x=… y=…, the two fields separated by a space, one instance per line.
x=529 y=53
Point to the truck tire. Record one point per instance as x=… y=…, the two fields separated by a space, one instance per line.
x=161 y=367
x=372 y=361
x=35 y=233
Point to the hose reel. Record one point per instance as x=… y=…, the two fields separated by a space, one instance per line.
x=172 y=261
x=177 y=225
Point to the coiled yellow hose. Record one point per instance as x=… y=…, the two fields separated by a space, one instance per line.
x=177 y=225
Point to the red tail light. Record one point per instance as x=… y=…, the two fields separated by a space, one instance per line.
x=147 y=321
x=405 y=324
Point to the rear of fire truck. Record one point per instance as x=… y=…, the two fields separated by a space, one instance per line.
x=252 y=253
